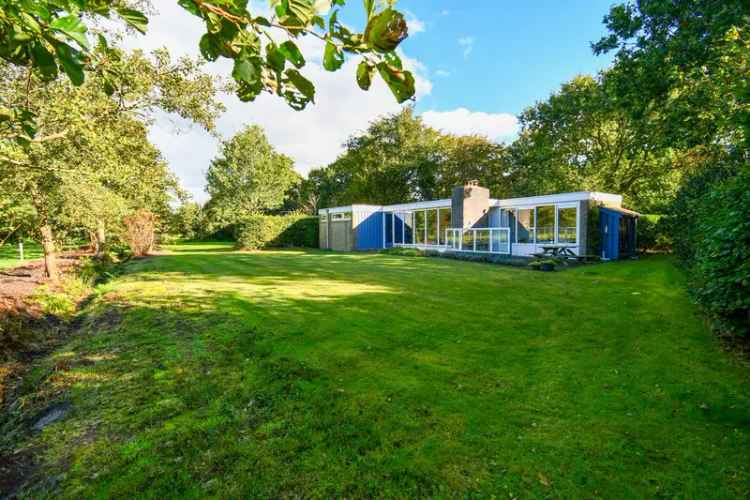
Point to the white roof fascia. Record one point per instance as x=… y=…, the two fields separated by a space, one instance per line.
x=418 y=205
x=557 y=198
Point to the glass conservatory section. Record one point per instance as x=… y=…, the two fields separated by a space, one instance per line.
x=444 y=217
x=545 y=224
x=567 y=225
x=419 y=227
x=526 y=221
x=408 y=219
x=432 y=227
x=398 y=229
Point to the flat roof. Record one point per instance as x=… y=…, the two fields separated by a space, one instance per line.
x=608 y=198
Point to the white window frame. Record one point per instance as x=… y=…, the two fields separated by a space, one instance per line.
x=458 y=239
x=557 y=207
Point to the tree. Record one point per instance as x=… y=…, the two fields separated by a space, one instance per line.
x=118 y=165
x=15 y=217
x=248 y=177
x=473 y=157
x=683 y=66
x=580 y=139
x=186 y=220
x=399 y=159
x=50 y=36
x=391 y=162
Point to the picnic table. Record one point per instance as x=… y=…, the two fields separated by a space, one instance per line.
x=557 y=251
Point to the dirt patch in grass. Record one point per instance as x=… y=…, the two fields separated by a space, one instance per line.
x=19 y=282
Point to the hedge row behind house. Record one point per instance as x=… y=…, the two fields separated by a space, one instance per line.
x=258 y=232
x=653 y=234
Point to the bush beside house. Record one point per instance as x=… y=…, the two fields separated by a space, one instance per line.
x=258 y=232
x=710 y=224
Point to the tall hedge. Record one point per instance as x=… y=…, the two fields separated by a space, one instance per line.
x=258 y=232
x=710 y=224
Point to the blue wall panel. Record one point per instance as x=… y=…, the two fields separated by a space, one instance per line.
x=370 y=232
x=609 y=224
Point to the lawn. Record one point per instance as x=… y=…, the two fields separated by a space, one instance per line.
x=9 y=256
x=209 y=372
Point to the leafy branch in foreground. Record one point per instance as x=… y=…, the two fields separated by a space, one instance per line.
x=51 y=36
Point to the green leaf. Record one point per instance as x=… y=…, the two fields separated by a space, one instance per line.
x=304 y=10
x=302 y=84
x=134 y=18
x=292 y=53
x=400 y=82
x=275 y=58
x=386 y=31
x=262 y=21
x=44 y=60
x=393 y=60
x=73 y=28
x=70 y=60
x=364 y=75
x=333 y=21
x=333 y=57
x=369 y=8
x=246 y=71
x=190 y=6
x=248 y=92
x=210 y=47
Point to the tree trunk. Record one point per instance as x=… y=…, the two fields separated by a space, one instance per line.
x=101 y=238
x=50 y=257
x=93 y=243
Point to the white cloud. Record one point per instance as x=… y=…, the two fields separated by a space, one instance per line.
x=467 y=43
x=415 y=24
x=445 y=12
x=442 y=73
x=496 y=126
x=312 y=137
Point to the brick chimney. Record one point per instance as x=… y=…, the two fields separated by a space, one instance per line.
x=469 y=205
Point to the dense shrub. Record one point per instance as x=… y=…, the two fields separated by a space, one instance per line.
x=653 y=234
x=273 y=231
x=710 y=225
x=141 y=231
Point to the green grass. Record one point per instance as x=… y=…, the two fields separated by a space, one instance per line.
x=311 y=374
x=9 y=256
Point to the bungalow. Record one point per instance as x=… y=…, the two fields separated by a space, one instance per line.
x=585 y=223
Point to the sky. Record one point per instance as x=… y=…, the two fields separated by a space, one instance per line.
x=477 y=63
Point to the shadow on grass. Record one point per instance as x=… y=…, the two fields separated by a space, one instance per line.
x=168 y=396
x=316 y=380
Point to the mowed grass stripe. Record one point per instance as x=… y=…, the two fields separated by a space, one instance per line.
x=309 y=373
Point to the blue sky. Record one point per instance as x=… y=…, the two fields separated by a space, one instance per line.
x=477 y=65
x=521 y=51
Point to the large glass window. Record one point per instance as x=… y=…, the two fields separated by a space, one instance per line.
x=499 y=241
x=398 y=229
x=342 y=216
x=483 y=241
x=545 y=224
x=419 y=227
x=526 y=225
x=445 y=223
x=468 y=240
x=567 y=225
x=432 y=229
x=408 y=227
